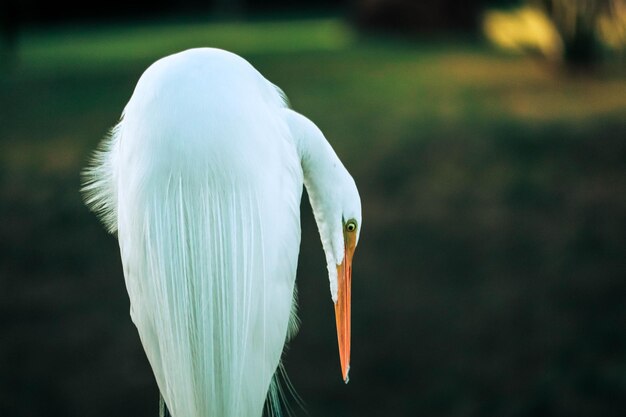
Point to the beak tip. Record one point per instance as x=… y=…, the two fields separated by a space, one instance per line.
x=347 y=377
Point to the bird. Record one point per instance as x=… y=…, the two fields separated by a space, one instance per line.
x=201 y=182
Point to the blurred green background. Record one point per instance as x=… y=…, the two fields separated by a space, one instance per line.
x=489 y=280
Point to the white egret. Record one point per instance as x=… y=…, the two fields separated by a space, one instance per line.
x=202 y=181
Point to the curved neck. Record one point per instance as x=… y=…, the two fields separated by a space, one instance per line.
x=324 y=175
x=320 y=165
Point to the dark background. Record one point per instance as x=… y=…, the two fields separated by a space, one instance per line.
x=489 y=280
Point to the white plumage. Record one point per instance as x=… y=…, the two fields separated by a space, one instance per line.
x=202 y=180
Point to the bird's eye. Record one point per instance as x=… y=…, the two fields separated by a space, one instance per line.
x=351 y=226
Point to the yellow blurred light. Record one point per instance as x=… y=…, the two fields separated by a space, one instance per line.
x=611 y=28
x=523 y=30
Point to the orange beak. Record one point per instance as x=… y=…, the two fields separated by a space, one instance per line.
x=342 y=306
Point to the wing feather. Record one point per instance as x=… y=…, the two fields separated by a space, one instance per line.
x=208 y=222
x=98 y=180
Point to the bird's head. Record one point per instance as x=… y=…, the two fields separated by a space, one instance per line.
x=350 y=229
x=336 y=206
x=338 y=215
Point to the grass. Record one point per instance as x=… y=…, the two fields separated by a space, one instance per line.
x=489 y=277
x=83 y=48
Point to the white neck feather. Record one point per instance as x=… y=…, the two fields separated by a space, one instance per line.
x=325 y=179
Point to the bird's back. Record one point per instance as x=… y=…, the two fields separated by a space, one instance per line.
x=204 y=183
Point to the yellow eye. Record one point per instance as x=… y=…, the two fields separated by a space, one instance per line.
x=351 y=226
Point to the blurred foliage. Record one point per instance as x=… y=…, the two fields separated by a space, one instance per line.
x=524 y=30
x=579 y=21
x=426 y=16
x=575 y=32
x=489 y=277
x=611 y=26
x=44 y=12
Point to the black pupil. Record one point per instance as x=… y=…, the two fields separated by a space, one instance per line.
x=350 y=227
